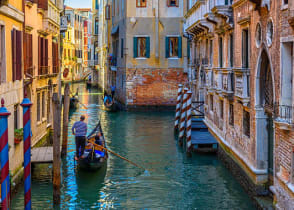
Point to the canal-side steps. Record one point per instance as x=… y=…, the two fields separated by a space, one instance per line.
x=201 y=139
x=42 y=155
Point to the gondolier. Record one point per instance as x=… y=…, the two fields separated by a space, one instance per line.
x=79 y=129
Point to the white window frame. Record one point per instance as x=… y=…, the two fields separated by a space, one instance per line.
x=174 y=57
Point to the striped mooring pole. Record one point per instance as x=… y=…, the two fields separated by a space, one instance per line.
x=26 y=104
x=178 y=107
x=189 y=122
x=4 y=155
x=183 y=116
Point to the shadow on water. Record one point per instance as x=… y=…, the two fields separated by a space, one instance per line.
x=173 y=181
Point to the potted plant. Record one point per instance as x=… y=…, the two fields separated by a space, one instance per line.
x=18 y=135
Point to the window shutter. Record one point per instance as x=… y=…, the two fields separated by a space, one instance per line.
x=39 y=55
x=180 y=47
x=122 y=48
x=31 y=52
x=46 y=56
x=18 y=55
x=188 y=49
x=25 y=52
x=148 y=47
x=135 y=47
x=166 y=47
x=13 y=49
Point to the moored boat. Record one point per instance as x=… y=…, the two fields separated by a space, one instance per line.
x=110 y=104
x=94 y=156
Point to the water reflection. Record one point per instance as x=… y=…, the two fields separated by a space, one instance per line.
x=173 y=181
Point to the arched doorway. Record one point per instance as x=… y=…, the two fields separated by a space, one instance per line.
x=264 y=114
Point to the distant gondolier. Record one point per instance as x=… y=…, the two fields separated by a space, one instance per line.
x=112 y=90
x=79 y=129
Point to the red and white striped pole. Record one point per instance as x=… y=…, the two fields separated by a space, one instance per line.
x=4 y=157
x=189 y=122
x=178 y=107
x=183 y=116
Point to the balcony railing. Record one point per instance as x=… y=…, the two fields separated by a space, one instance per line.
x=43 y=70
x=29 y=72
x=283 y=113
x=55 y=69
x=198 y=108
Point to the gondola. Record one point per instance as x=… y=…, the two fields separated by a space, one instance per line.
x=73 y=104
x=110 y=107
x=94 y=157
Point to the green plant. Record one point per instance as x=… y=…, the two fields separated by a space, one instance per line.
x=18 y=134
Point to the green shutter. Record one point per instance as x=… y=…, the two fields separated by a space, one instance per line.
x=180 y=47
x=135 y=47
x=188 y=48
x=166 y=47
x=147 y=47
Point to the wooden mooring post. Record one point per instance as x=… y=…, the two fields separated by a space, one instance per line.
x=56 y=148
x=66 y=101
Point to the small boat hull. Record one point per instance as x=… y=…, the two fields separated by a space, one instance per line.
x=92 y=165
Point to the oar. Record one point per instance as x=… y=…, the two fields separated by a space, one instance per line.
x=108 y=150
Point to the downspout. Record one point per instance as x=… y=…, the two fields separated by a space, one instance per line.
x=157 y=29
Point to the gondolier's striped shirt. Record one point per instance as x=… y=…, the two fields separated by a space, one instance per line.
x=79 y=128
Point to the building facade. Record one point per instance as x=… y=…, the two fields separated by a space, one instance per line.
x=11 y=72
x=143 y=52
x=241 y=68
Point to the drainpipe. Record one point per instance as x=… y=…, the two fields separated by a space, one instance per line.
x=157 y=29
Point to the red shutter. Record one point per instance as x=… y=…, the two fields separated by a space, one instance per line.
x=31 y=54
x=25 y=52
x=18 y=55
x=43 y=4
x=46 y=56
x=39 y=54
x=13 y=50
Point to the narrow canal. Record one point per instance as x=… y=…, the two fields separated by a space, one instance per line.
x=173 y=181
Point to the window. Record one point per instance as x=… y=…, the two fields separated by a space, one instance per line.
x=141 y=3
x=96 y=5
x=211 y=102
x=2 y=55
x=246 y=123
x=211 y=52
x=122 y=48
x=231 y=114
x=16 y=116
x=142 y=47
x=172 y=3
x=43 y=104
x=107 y=12
x=28 y=51
x=221 y=109
x=16 y=39
x=38 y=107
x=43 y=56
x=287 y=73
x=245 y=48
x=285 y=2
x=220 y=52
x=96 y=26
x=231 y=50
x=55 y=57
x=174 y=47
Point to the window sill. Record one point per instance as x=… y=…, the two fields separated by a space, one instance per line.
x=141 y=58
x=174 y=58
x=284 y=7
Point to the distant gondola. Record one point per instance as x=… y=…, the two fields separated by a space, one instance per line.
x=110 y=105
x=94 y=157
x=73 y=103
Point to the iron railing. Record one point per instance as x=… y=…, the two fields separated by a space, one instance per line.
x=43 y=70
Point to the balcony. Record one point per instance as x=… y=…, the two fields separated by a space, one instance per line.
x=283 y=115
x=228 y=83
x=242 y=88
x=51 y=20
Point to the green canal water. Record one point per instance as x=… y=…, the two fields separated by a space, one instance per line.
x=173 y=181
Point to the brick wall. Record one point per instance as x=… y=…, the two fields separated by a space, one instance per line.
x=153 y=87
